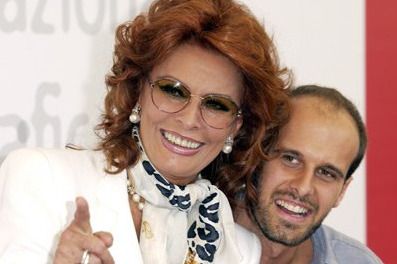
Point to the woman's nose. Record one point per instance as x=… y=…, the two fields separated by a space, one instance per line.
x=190 y=115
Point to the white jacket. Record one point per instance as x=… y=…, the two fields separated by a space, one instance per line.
x=38 y=188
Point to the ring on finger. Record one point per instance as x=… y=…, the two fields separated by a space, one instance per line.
x=85 y=258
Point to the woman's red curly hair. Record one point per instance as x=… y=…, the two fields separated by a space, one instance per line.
x=221 y=25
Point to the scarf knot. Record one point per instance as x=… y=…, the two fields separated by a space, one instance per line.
x=177 y=196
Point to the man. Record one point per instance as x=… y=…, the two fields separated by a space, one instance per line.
x=310 y=167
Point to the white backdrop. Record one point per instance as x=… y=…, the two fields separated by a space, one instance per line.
x=54 y=55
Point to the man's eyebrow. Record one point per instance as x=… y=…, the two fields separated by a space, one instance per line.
x=339 y=172
x=279 y=150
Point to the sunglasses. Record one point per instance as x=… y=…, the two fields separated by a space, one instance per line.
x=171 y=96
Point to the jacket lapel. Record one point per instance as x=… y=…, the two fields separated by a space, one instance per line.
x=112 y=213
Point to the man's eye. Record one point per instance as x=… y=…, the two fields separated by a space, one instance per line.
x=327 y=174
x=289 y=159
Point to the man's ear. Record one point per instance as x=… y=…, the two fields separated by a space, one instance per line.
x=343 y=191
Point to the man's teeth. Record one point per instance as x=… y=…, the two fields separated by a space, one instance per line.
x=181 y=142
x=293 y=208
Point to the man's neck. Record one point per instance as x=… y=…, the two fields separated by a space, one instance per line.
x=276 y=253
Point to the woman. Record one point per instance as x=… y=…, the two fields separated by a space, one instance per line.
x=193 y=82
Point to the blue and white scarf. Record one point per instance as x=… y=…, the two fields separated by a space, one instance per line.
x=182 y=224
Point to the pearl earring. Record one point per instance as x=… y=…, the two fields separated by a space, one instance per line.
x=228 y=146
x=135 y=116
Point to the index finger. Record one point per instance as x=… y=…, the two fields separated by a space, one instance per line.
x=82 y=215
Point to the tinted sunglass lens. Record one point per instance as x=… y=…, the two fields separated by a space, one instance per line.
x=218 y=111
x=169 y=96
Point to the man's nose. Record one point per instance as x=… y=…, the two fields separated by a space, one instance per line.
x=303 y=182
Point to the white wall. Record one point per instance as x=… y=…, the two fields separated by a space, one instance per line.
x=54 y=55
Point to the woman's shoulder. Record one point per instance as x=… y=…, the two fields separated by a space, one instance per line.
x=249 y=245
x=41 y=162
x=28 y=155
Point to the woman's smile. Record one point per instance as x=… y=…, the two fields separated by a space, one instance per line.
x=179 y=144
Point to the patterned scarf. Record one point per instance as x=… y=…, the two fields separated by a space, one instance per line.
x=182 y=224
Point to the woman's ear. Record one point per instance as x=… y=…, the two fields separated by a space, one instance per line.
x=237 y=125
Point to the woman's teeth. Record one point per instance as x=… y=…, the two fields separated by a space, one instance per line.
x=180 y=141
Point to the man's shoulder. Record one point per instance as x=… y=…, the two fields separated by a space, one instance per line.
x=331 y=246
